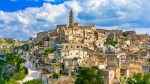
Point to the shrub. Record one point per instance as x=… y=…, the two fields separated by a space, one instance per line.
x=34 y=81
x=50 y=50
x=124 y=34
x=55 y=75
x=111 y=42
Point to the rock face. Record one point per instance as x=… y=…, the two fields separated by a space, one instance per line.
x=9 y=69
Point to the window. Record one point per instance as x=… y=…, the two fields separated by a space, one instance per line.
x=66 y=46
x=71 y=53
x=111 y=59
x=110 y=75
x=71 y=46
x=65 y=55
x=76 y=53
x=77 y=46
x=81 y=46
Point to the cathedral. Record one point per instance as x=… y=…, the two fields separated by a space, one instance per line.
x=76 y=33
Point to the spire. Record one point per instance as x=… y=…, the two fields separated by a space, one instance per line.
x=71 y=11
x=71 y=18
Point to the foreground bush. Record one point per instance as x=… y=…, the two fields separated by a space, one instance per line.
x=34 y=81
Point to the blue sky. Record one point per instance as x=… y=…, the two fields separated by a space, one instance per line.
x=14 y=5
x=22 y=19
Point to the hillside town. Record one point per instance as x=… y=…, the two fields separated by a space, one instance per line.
x=63 y=51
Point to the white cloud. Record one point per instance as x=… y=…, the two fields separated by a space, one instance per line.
x=23 y=20
x=109 y=14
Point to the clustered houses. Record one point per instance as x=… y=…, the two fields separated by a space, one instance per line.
x=7 y=43
x=86 y=46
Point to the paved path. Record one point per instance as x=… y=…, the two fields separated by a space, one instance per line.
x=32 y=72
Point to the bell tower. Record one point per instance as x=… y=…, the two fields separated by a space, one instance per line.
x=71 y=19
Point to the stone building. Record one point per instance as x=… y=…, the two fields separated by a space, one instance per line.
x=133 y=67
x=76 y=33
x=70 y=50
x=108 y=76
x=42 y=34
x=130 y=32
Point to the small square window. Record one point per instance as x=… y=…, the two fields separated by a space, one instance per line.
x=76 y=53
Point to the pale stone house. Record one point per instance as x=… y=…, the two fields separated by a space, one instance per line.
x=134 y=67
x=72 y=64
x=146 y=46
x=41 y=50
x=124 y=72
x=145 y=68
x=52 y=43
x=115 y=59
x=108 y=76
x=45 y=76
x=70 y=50
x=46 y=45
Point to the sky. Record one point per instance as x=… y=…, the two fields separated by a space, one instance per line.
x=22 y=19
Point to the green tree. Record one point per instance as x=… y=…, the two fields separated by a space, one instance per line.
x=58 y=64
x=22 y=47
x=50 y=50
x=55 y=75
x=34 y=81
x=124 y=34
x=139 y=79
x=99 y=77
x=89 y=75
x=111 y=42
x=38 y=44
